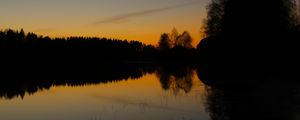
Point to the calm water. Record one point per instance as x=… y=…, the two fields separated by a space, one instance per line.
x=143 y=98
x=149 y=92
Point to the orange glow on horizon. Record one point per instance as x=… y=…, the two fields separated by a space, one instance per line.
x=144 y=21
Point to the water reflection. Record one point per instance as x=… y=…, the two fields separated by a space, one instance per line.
x=175 y=77
x=269 y=96
x=132 y=91
x=18 y=84
x=123 y=90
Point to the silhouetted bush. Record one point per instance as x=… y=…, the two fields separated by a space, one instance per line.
x=256 y=35
x=176 y=47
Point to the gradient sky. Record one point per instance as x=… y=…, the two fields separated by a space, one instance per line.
x=142 y=20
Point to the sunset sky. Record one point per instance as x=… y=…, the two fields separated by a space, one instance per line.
x=142 y=20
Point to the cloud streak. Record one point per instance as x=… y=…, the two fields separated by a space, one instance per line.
x=126 y=17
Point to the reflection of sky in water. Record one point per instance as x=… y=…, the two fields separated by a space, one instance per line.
x=128 y=100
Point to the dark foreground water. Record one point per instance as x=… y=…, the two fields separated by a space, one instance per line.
x=163 y=93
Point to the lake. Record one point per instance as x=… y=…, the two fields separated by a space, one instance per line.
x=149 y=92
x=144 y=98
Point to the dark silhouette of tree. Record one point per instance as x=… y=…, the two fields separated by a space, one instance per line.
x=22 y=35
x=184 y=40
x=212 y=24
x=298 y=10
x=255 y=33
x=176 y=47
x=174 y=40
x=236 y=17
x=164 y=42
x=174 y=36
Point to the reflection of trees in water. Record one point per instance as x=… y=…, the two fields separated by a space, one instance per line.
x=176 y=78
x=14 y=88
x=268 y=97
x=19 y=81
x=261 y=102
x=213 y=96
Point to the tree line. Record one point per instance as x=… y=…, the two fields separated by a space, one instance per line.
x=93 y=48
x=31 y=44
